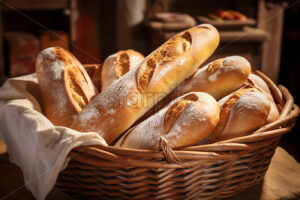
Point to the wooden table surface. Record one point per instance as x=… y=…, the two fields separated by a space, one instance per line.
x=282 y=181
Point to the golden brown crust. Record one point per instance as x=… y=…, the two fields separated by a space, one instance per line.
x=75 y=90
x=94 y=71
x=117 y=107
x=122 y=64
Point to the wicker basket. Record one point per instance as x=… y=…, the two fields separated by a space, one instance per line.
x=199 y=172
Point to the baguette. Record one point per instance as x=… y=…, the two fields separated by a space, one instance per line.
x=218 y=78
x=123 y=102
x=241 y=112
x=64 y=85
x=118 y=64
x=184 y=122
x=94 y=71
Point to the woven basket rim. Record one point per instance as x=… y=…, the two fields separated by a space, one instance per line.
x=120 y=156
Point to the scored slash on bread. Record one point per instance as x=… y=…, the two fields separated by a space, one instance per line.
x=176 y=109
x=78 y=88
x=184 y=122
x=118 y=64
x=174 y=49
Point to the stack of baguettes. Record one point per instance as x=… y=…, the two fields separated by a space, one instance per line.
x=133 y=102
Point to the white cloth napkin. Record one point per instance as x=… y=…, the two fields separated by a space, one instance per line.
x=38 y=147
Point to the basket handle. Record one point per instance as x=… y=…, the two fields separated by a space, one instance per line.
x=288 y=104
x=289 y=111
x=274 y=89
x=168 y=152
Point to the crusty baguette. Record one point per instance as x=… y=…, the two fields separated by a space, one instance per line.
x=94 y=71
x=118 y=64
x=261 y=84
x=64 y=85
x=241 y=112
x=218 y=78
x=184 y=122
x=115 y=109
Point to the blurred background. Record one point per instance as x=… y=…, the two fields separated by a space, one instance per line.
x=265 y=32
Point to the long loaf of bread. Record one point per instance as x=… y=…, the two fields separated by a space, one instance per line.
x=65 y=86
x=184 y=122
x=123 y=102
x=240 y=113
x=219 y=78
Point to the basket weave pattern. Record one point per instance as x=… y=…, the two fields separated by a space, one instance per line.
x=209 y=171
